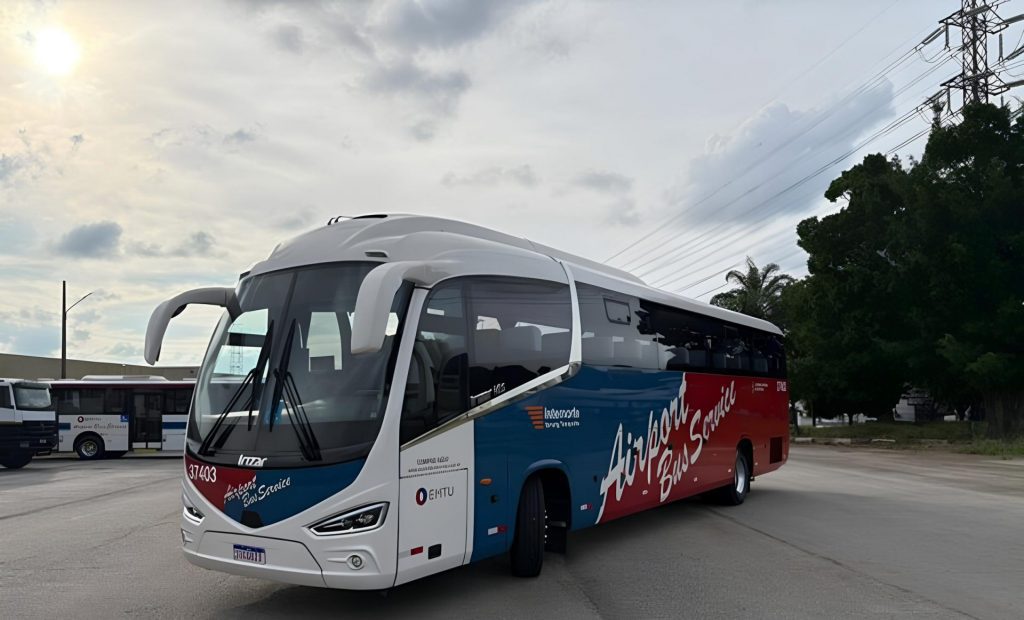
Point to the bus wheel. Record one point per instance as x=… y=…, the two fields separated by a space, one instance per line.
x=733 y=494
x=527 y=552
x=89 y=447
x=16 y=460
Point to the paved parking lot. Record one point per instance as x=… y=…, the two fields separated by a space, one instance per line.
x=834 y=534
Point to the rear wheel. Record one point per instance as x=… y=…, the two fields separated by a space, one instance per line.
x=527 y=552
x=89 y=447
x=16 y=460
x=734 y=494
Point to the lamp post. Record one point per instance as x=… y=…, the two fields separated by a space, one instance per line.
x=64 y=326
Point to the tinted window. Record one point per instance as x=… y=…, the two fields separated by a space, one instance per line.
x=479 y=338
x=81 y=401
x=616 y=330
x=5 y=396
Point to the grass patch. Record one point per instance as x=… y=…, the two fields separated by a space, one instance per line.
x=992 y=447
x=901 y=432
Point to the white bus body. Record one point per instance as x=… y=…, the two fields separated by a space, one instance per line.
x=104 y=415
x=27 y=422
x=388 y=397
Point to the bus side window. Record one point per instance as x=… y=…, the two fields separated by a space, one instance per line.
x=5 y=397
x=437 y=386
x=521 y=329
x=617 y=330
x=479 y=338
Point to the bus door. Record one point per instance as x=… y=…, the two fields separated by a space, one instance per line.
x=175 y=419
x=147 y=419
x=433 y=505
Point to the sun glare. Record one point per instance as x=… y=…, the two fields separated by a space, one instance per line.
x=56 y=51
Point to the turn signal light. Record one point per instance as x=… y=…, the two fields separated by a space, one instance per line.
x=359 y=520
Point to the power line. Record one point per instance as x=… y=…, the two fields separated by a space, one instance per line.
x=892 y=66
x=685 y=252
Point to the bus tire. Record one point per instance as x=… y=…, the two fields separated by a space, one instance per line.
x=16 y=460
x=89 y=447
x=734 y=493
x=527 y=551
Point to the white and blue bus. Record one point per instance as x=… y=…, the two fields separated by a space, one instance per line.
x=109 y=415
x=391 y=396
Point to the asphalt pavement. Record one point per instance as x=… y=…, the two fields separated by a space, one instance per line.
x=837 y=533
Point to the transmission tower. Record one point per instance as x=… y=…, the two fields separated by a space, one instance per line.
x=977 y=80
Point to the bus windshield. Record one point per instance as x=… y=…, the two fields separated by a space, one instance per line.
x=32 y=397
x=279 y=381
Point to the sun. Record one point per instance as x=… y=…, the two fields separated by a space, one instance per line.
x=56 y=52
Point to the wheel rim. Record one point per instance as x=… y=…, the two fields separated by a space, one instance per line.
x=741 y=476
x=89 y=448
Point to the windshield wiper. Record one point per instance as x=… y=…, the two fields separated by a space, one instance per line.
x=257 y=388
x=285 y=389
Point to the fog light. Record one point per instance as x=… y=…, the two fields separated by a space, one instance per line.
x=184 y=537
x=355 y=561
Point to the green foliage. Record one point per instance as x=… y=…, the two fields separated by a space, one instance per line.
x=758 y=291
x=918 y=278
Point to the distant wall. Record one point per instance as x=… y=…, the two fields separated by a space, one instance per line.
x=31 y=367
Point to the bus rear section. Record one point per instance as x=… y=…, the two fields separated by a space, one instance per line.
x=107 y=416
x=28 y=424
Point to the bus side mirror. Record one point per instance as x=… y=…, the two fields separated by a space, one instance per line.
x=162 y=315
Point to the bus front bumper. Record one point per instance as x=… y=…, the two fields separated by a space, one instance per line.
x=283 y=560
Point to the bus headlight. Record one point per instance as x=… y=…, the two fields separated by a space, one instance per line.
x=359 y=520
x=191 y=512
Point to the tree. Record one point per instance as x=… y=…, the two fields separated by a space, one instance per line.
x=757 y=291
x=918 y=278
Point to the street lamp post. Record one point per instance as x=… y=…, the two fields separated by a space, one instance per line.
x=64 y=326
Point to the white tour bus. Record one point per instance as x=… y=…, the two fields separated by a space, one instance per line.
x=28 y=426
x=391 y=396
x=109 y=415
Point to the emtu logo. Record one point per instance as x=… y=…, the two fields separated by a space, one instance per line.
x=536 y=414
x=421 y=497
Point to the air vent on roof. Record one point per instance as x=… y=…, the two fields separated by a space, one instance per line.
x=371 y=216
x=377 y=254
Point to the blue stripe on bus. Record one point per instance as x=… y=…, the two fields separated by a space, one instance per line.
x=65 y=426
x=176 y=425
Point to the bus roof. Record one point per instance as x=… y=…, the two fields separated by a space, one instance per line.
x=395 y=237
x=95 y=380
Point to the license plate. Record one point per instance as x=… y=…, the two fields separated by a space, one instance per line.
x=253 y=555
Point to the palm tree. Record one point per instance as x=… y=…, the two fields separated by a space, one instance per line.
x=757 y=291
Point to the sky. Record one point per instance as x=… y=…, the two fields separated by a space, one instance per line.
x=148 y=148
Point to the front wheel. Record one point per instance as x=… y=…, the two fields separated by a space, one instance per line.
x=16 y=460
x=89 y=447
x=734 y=494
x=527 y=552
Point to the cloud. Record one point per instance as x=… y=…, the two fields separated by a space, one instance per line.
x=289 y=37
x=606 y=182
x=125 y=350
x=623 y=212
x=199 y=243
x=442 y=23
x=771 y=151
x=239 y=136
x=76 y=141
x=297 y=219
x=519 y=175
x=96 y=240
x=438 y=89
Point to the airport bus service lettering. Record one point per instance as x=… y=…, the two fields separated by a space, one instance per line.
x=654 y=456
